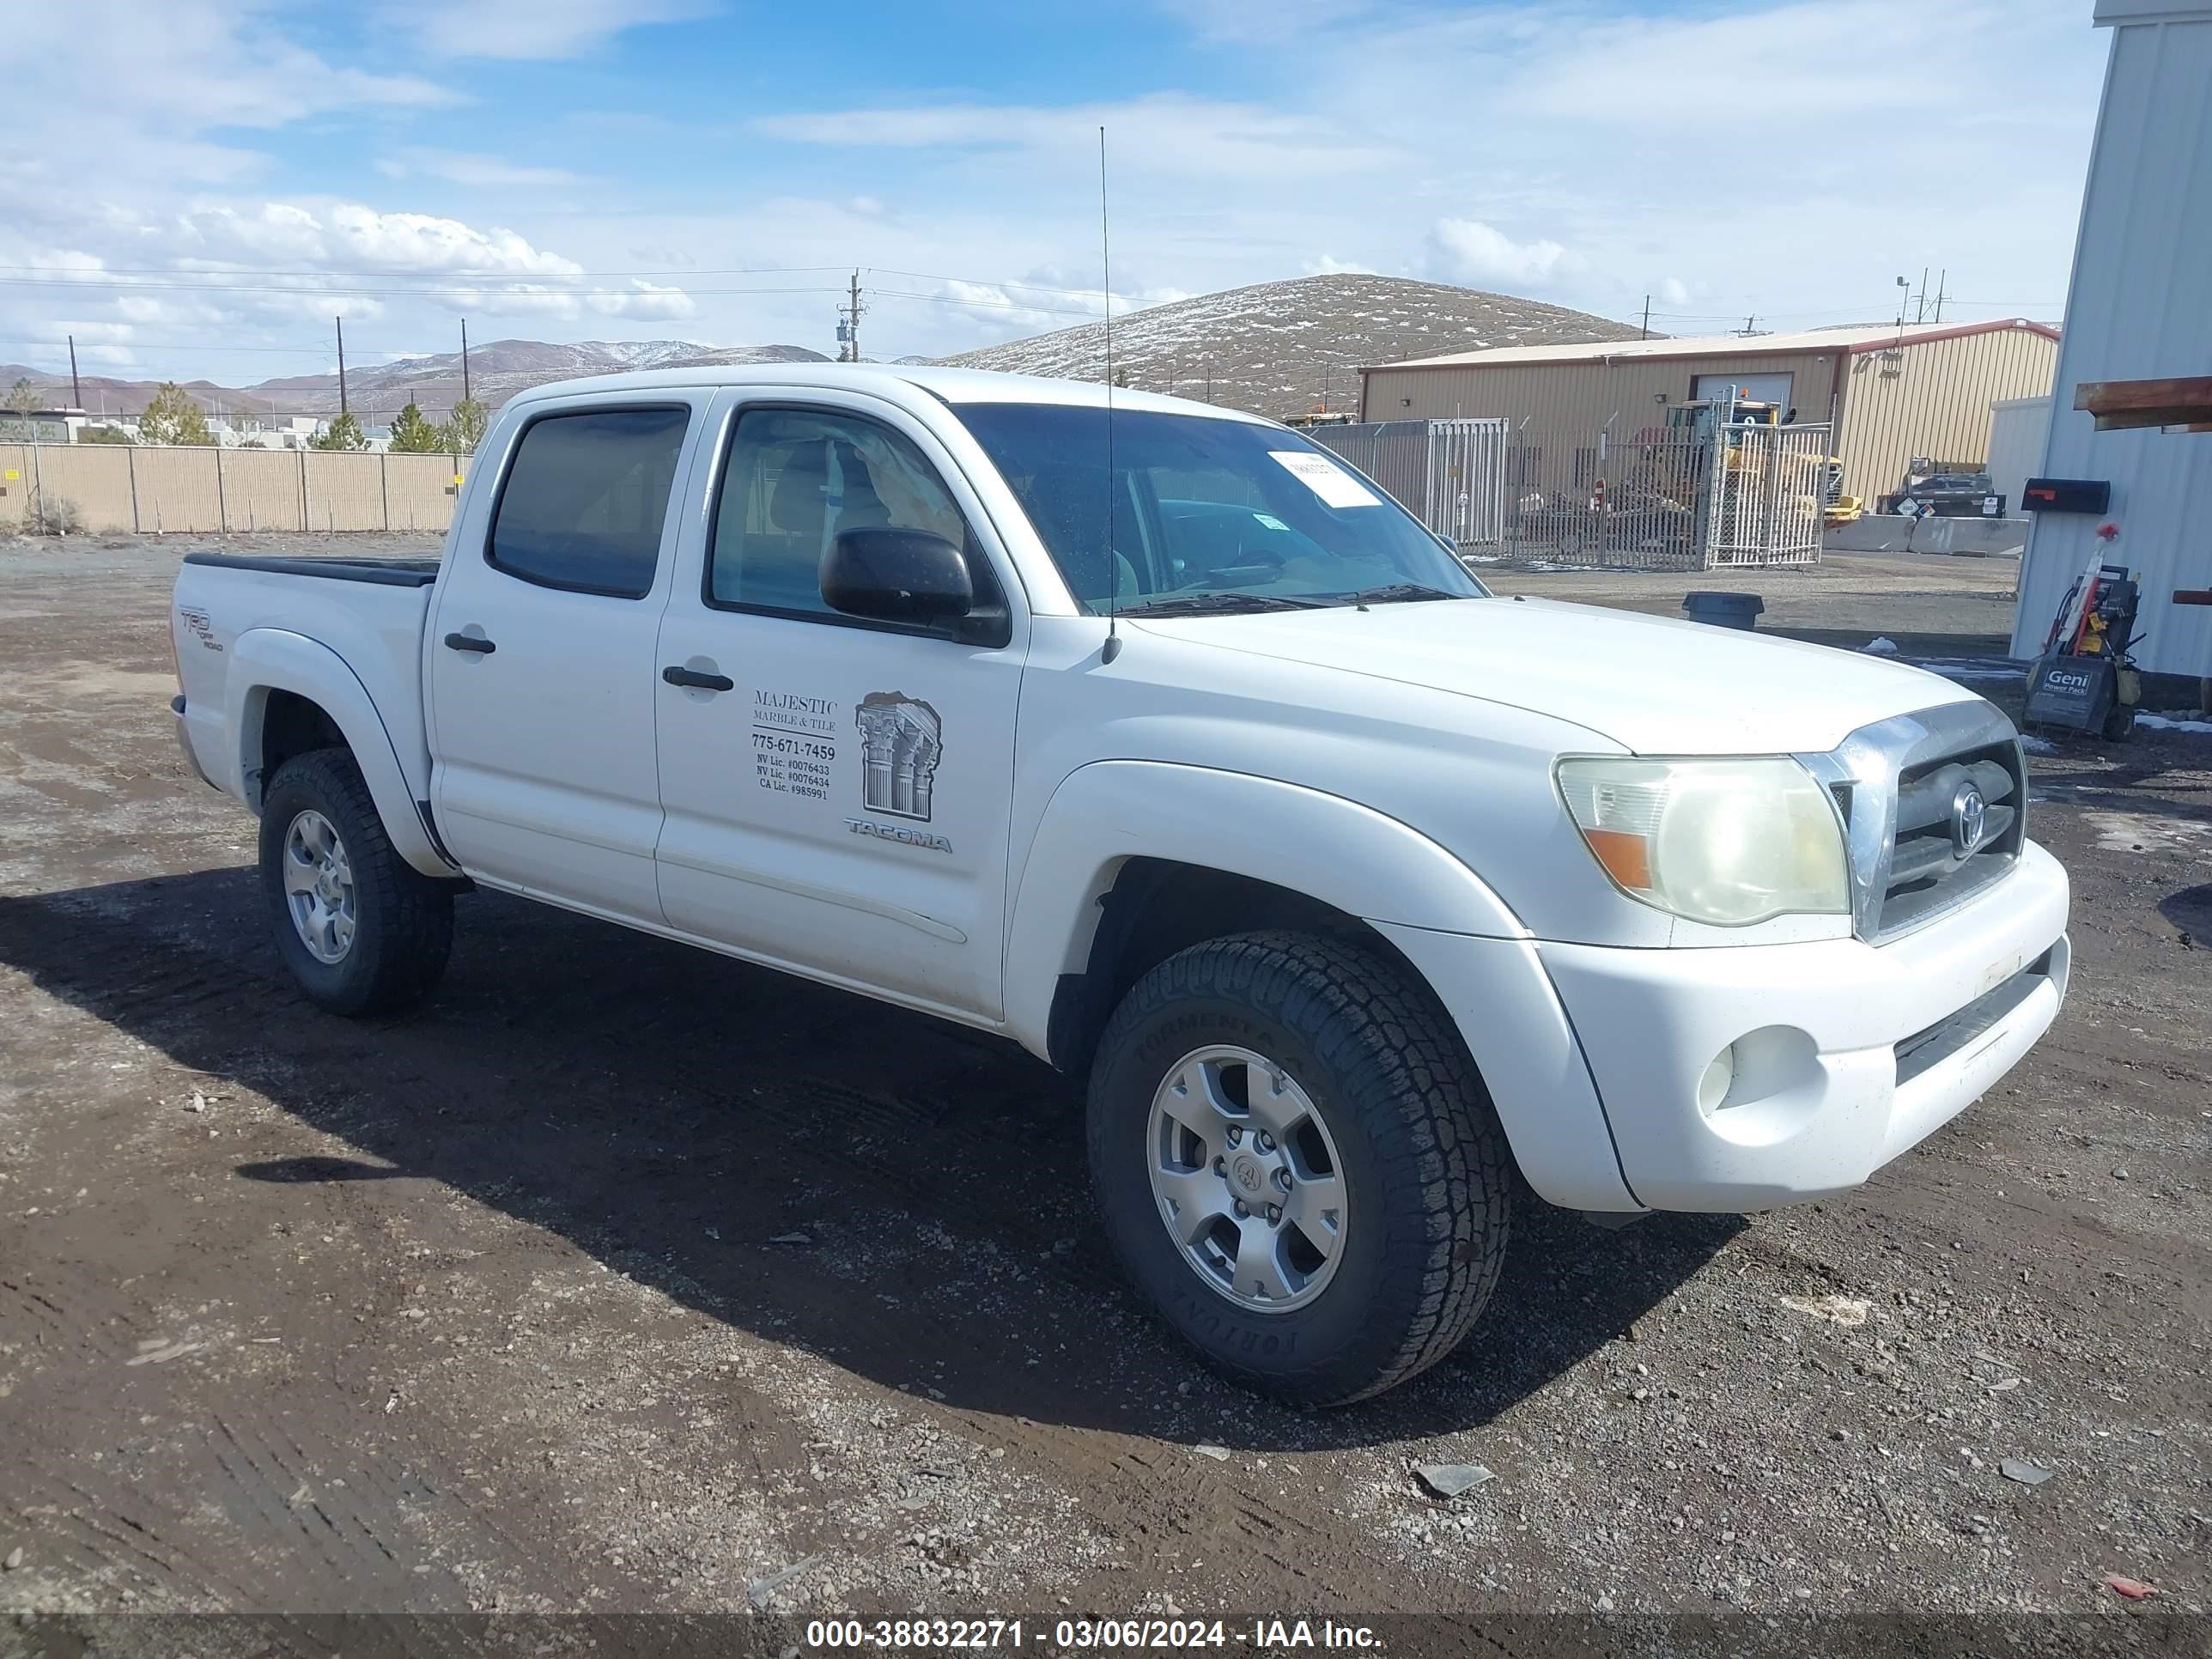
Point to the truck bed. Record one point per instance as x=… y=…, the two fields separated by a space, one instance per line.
x=389 y=573
x=361 y=620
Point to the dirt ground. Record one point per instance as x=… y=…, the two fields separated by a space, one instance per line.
x=623 y=1277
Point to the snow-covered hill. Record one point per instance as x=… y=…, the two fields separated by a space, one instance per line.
x=500 y=369
x=497 y=371
x=1283 y=347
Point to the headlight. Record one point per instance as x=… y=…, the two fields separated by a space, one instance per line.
x=1726 y=842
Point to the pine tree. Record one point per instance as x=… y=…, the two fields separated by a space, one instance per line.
x=464 y=431
x=344 y=433
x=172 y=417
x=413 y=434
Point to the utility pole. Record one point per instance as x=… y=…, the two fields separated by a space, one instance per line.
x=848 y=325
x=1646 y=333
x=76 y=391
x=1750 y=326
x=1943 y=286
x=1920 y=311
x=340 y=321
x=464 y=360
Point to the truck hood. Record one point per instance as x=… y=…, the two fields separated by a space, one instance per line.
x=1655 y=685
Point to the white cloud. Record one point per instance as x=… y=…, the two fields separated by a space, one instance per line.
x=1329 y=266
x=1191 y=139
x=1588 y=152
x=169 y=68
x=1469 y=250
x=528 y=29
x=350 y=236
x=645 y=299
x=477 y=171
x=88 y=332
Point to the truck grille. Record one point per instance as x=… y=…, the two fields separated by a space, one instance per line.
x=1897 y=784
x=1927 y=870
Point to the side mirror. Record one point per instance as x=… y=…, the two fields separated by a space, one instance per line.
x=896 y=576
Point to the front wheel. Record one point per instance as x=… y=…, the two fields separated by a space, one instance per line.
x=1298 y=1164
x=362 y=931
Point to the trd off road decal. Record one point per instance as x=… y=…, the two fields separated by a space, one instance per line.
x=794 y=743
x=901 y=740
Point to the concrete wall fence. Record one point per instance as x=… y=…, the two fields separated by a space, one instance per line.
x=118 y=488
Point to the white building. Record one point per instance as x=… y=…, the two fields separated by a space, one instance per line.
x=2019 y=431
x=2140 y=310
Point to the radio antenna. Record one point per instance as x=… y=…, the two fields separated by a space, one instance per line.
x=1112 y=648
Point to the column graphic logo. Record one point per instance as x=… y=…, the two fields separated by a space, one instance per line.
x=901 y=740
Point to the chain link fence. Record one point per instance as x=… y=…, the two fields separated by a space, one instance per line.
x=1450 y=475
x=1687 y=496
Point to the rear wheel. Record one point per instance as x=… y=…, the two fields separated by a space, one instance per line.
x=1298 y=1164
x=362 y=930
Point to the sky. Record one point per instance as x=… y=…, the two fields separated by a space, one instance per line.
x=195 y=188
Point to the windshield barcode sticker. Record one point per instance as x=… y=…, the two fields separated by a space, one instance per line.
x=1336 y=486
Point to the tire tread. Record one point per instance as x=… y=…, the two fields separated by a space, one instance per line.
x=407 y=949
x=1395 y=1051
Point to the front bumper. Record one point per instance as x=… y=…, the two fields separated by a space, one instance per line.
x=1846 y=1053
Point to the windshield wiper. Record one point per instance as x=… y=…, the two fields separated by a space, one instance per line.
x=1200 y=605
x=1398 y=593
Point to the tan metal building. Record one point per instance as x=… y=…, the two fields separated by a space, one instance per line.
x=1897 y=394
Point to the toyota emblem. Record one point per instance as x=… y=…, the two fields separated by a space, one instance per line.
x=1969 y=817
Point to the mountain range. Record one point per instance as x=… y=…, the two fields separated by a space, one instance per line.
x=1275 y=349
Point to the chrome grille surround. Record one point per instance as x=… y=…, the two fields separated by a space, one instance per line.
x=1911 y=759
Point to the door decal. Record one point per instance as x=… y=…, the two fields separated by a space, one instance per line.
x=794 y=743
x=900 y=740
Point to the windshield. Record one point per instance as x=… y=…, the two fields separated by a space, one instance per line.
x=1212 y=513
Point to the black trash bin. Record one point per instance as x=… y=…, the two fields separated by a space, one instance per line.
x=1724 y=610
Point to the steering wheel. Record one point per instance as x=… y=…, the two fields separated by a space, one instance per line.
x=1253 y=565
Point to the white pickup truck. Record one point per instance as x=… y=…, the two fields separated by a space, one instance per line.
x=1155 y=738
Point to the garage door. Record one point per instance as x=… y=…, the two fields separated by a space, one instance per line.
x=1761 y=388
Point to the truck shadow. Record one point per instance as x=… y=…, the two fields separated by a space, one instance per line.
x=903 y=1197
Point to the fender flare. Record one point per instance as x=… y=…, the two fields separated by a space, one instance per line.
x=1328 y=848
x=1454 y=930
x=265 y=659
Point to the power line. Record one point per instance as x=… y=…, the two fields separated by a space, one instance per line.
x=994 y=305
x=510 y=286
x=939 y=276
x=70 y=271
x=137 y=345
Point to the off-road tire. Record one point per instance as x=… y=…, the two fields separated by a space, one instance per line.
x=1427 y=1169
x=404 y=920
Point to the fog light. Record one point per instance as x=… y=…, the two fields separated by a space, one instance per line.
x=1720 y=1076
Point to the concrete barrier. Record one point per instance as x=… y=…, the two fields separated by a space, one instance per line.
x=1975 y=539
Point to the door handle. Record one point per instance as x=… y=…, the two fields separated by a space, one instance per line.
x=692 y=676
x=481 y=646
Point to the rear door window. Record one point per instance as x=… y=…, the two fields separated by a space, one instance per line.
x=586 y=497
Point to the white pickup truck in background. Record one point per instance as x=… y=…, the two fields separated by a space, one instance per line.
x=1210 y=773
